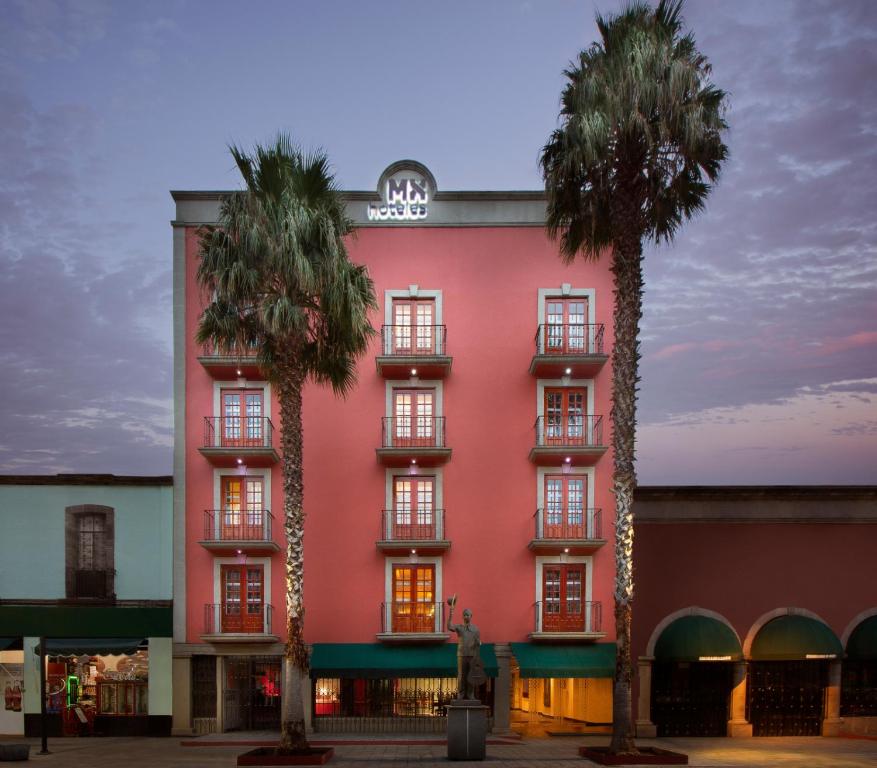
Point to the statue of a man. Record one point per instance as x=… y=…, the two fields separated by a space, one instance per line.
x=468 y=649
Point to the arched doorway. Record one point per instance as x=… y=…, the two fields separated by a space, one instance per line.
x=858 y=697
x=692 y=677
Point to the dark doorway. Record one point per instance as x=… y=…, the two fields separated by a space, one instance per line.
x=691 y=698
x=786 y=698
x=251 y=696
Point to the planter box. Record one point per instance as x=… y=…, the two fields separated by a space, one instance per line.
x=269 y=756
x=644 y=756
x=14 y=752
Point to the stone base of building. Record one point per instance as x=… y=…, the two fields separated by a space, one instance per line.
x=739 y=729
x=646 y=729
x=831 y=726
x=859 y=726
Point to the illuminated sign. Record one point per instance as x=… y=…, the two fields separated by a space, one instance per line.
x=405 y=191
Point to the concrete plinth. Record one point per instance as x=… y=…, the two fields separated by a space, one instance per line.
x=467 y=730
x=646 y=729
x=739 y=729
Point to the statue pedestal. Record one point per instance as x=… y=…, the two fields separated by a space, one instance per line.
x=467 y=729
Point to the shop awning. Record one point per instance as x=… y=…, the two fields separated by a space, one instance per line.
x=862 y=643
x=92 y=646
x=376 y=660
x=8 y=642
x=792 y=637
x=85 y=621
x=698 y=638
x=597 y=660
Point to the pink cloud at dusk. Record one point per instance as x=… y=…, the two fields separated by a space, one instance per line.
x=714 y=345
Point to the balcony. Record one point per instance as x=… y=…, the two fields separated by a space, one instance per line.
x=417 y=529
x=557 y=621
x=238 y=530
x=567 y=531
x=407 y=440
x=89 y=584
x=232 y=364
x=412 y=623
x=233 y=623
x=233 y=440
x=417 y=350
x=571 y=349
x=572 y=439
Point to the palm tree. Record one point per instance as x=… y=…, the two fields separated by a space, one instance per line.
x=280 y=281
x=638 y=143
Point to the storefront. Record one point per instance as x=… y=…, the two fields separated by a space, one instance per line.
x=12 y=684
x=858 y=698
x=557 y=684
x=370 y=687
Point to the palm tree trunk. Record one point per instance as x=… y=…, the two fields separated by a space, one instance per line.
x=628 y=280
x=292 y=720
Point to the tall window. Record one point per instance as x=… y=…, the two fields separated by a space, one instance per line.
x=413 y=326
x=413 y=608
x=242 y=422
x=563 y=589
x=89 y=551
x=242 y=508
x=565 y=416
x=566 y=326
x=413 y=417
x=564 y=514
x=243 y=598
x=413 y=508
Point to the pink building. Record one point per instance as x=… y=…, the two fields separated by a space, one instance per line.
x=471 y=459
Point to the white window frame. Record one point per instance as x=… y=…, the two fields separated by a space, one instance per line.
x=416 y=471
x=414 y=560
x=542 y=561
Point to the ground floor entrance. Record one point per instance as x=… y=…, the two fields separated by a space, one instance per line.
x=787 y=698
x=691 y=698
x=251 y=693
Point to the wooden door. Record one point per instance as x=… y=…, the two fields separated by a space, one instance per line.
x=566 y=326
x=413 y=327
x=413 y=598
x=413 y=418
x=563 y=589
x=565 y=416
x=243 y=598
x=564 y=514
x=242 y=423
x=243 y=509
x=414 y=508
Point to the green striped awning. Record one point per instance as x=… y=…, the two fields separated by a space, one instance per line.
x=862 y=643
x=376 y=660
x=90 y=621
x=698 y=638
x=795 y=638
x=561 y=660
x=92 y=646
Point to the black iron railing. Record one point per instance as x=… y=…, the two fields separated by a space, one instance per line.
x=413 y=340
x=412 y=617
x=568 y=615
x=237 y=618
x=568 y=523
x=93 y=583
x=238 y=432
x=413 y=432
x=237 y=524
x=413 y=524
x=569 y=430
x=569 y=339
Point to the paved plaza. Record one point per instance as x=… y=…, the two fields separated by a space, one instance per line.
x=540 y=753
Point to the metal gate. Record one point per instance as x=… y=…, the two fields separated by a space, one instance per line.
x=786 y=698
x=691 y=698
x=251 y=693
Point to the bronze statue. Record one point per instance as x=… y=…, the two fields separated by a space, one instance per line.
x=470 y=671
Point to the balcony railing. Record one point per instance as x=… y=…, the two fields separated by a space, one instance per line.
x=231 y=353
x=237 y=619
x=412 y=618
x=413 y=340
x=413 y=432
x=95 y=584
x=569 y=430
x=238 y=432
x=568 y=524
x=568 y=616
x=237 y=525
x=413 y=525
x=569 y=339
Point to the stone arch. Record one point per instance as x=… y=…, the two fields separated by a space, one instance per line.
x=854 y=622
x=774 y=614
x=690 y=611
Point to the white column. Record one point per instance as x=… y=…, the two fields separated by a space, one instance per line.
x=738 y=727
x=181 y=724
x=502 y=691
x=832 y=722
x=645 y=728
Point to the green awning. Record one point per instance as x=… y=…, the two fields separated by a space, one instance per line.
x=92 y=646
x=698 y=638
x=8 y=642
x=597 y=660
x=863 y=641
x=376 y=660
x=794 y=637
x=85 y=621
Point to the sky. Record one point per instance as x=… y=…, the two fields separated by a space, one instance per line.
x=759 y=335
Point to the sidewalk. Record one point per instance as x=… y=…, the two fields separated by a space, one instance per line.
x=411 y=751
